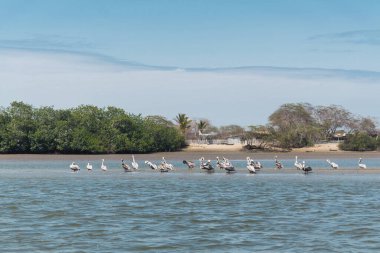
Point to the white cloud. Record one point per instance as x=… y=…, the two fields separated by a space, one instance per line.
x=225 y=96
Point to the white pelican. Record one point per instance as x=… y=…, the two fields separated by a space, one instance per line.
x=278 y=163
x=89 y=167
x=189 y=164
x=257 y=165
x=166 y=165
x=361 y=165
x=103 y=167
x=74 y=167
x=297 y=164
x=151 y=165
x=306 y=169
x=250 y=166
x=332 y=164
x=135 y=165
x=201 y=160
x=126 y=166
x=219 y=163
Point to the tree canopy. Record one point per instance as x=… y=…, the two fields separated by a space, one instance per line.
x=301 y=124
x=84 y=129
x=183 y=122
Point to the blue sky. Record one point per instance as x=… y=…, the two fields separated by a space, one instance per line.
x=126 y=36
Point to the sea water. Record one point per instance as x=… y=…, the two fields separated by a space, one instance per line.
x=46 y=208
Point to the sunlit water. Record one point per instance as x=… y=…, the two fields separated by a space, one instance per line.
x=46 y=208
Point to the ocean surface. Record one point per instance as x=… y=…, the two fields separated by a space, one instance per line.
x=46 y=208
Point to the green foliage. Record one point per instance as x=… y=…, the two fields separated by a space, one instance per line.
x=294 y=126
x=360 y=141
x=183 y=122
x=85 y=129
x=202 y=125
x=299 y=125
x=264 y=135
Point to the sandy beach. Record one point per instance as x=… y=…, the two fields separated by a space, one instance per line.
x=194 y=152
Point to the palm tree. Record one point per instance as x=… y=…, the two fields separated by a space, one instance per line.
x=202 y=125
x=183 y=122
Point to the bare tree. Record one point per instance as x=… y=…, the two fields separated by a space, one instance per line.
x=331 y=118
x=367 y=125
x=231 y=130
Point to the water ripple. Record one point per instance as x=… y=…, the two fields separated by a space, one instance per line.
x=47 y=209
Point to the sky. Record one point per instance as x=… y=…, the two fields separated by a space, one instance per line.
x=232 y=62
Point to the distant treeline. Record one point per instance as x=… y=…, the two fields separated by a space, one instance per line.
x=298 y=125
x=84 y=129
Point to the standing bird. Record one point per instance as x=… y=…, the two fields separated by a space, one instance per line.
x=257 y=165
x=306 y=169
x=227 y=166
x=167 y=165
x=332 y=164
x=206 y=166
x=89 y=167
x=103 y=167
x=126 y=166
x=361 y=165
x=151 y=165
x=74 y=167
x=250 y=166
x=135 y=165
x=219 y=163
x=297 y=164
x=189 y=164
x=278 y=163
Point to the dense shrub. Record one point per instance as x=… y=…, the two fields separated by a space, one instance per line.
x=359 y=142
x=85 y=129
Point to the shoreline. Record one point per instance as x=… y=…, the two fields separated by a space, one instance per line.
x=195 y=155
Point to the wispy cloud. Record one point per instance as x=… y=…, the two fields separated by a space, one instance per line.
x=244 y=95
x=370 y=37
x=43 y=41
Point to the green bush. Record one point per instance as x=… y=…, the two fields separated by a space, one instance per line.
x=359 y=142
x=85 y=130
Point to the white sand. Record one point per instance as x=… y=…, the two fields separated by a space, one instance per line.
x=213 y=147
x=325 y=147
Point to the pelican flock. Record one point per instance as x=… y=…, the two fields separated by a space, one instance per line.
x=223 y=164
